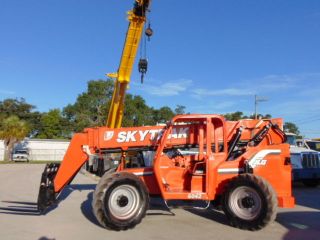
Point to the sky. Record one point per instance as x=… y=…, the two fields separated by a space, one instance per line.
x=210 y=56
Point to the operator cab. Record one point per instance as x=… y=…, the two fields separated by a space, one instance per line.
x=184 y=170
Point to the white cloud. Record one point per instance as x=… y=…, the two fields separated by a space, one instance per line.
x=219 y=107
x=265 y=85
x=281 y=82
x=300 y=108
x=276 y=82
x=168 y=88
x=270 y=83
x=6 y=92
x=201 y=92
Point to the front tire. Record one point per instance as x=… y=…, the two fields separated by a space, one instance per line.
x=249 y=202
x=120 y=201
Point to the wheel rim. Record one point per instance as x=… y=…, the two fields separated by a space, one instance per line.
x=124 y=202
x=245 y=202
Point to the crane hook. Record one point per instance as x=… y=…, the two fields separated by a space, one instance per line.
x=143 y=67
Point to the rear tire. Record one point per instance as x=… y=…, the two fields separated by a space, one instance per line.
x=249 y=202
x=120 y=201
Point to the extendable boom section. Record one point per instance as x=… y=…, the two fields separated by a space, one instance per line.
x=137 y=18
x=57 y=176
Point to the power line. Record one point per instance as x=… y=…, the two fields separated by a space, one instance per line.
x=311 y=131
x=308 y=118
x=311 y=120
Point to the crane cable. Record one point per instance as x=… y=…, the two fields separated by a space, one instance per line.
x=143 y=62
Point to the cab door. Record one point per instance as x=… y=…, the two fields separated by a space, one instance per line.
x=184 y=164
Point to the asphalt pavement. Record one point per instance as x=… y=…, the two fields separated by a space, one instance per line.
x=73 y=217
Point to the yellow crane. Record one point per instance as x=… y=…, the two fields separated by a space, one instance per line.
x=137 y=19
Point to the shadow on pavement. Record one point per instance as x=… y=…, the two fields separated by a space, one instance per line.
x=20 y=202
x=307 y=196
x=156 y=204
x=300 y=225
x=86 y=209
x=30 y=208
x=158 y=207
x=46 y=238
x=211 y=214
x=19 y=208
x=74 y=187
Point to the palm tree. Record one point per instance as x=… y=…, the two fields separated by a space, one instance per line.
x=12 y=130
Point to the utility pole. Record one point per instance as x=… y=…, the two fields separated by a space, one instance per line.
x=256 y=100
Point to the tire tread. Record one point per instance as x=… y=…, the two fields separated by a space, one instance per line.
x=106 y=181
x=267 y=192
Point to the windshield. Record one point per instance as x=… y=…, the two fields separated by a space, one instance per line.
x=21 y=151
x=291 y=140
x=314 y=145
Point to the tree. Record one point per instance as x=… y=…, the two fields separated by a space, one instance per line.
x=12 y=130
x=21 y=109
x=180 y=109
x=53 y=125
x=17 y=107
x=291 y=127
x=136 y=112
x=91 y=107
x=235 y=116
x=163 y=115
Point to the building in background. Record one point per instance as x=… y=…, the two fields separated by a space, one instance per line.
x=1 y=150
x=41 y=149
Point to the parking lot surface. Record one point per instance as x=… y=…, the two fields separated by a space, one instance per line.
x=73 y=217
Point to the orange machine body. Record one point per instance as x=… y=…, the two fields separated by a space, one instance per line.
x=193 y=155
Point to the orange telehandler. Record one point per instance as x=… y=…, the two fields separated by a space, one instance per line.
x=243 y=166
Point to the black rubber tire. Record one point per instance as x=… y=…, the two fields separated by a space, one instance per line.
x=103 y=193
x=265 y=197
x=312 y=183
x=100 y=170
